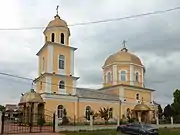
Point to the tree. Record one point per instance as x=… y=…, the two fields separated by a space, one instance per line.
x=160 y=111
x=2 y=108
x=176 y=103
x=104 y=113
x=168 y=111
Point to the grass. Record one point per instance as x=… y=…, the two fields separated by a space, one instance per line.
x=173 y=131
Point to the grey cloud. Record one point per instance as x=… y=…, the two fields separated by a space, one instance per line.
x=156 y=36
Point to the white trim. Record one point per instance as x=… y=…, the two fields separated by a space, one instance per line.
x=50 y=59
x=114 y=74
x=121 y=63
x=61 y=71
x=48 y=84
x=119 y=75
x=72 y=61
x=74 y=87
x=74 y=99
x=142 y=76
x=131 y=74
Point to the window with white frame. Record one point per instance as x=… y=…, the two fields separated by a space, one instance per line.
x=137 y=77
x=60 y=110
x=61 y=61
x=109 y=77
x=61 y=84
x=123 y=75
x=88 y=112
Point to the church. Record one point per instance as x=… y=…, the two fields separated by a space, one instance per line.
x=123 y=79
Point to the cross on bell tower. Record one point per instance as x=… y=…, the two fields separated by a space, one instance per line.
x=124 y=46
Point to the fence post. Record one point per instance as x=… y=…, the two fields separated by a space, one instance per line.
x=2 y=114
x=0 y=121
x=56 y=123
x=157 y=121
x=171 y=120
x=91 y=122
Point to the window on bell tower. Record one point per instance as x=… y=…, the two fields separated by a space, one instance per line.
x=62 y=38
x=61 y=61
x=61 y=85
x=137 y=77
x=123 y=75
x=52 y=37
x=109 y=77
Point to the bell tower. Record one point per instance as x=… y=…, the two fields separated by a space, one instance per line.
x=56 y=60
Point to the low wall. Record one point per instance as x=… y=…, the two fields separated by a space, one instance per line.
x=87 y=128
x=102 y=127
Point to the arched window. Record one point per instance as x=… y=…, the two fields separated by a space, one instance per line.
x=109 y=77
x=61 y=61
x=137 y=96
x=110 y=112
x=60 y=110
x=62 y=38
x=61 y=84
x=52 y=37
x=137 y=77
x=123 y=75
x=88 y=112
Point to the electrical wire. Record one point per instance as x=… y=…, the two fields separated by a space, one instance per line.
x=100 y=21
x=32 y=84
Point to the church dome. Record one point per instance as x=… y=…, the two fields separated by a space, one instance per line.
x=57 y=22
x=31 y=97
x=122 y=56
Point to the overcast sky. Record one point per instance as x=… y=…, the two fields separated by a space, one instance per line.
x=155 y=39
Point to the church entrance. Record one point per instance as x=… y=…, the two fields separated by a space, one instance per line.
x=30 y=123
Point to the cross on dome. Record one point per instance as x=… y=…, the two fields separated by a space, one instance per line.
x=57 y=15
x=124 y=46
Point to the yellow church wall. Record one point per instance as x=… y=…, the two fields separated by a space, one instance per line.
x=130 y=95
x=140 y=71
x=41 y=55
x=106 y=70
x=96 y=105
x=59 y=50
x=57 y=79
x=40 y=88
x=51 y=106
x=113 y=91
x=124 y=108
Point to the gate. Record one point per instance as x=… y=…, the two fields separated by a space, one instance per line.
x=34 y=123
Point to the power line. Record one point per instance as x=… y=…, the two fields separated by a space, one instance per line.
x=101 y=21
x=30 y=79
